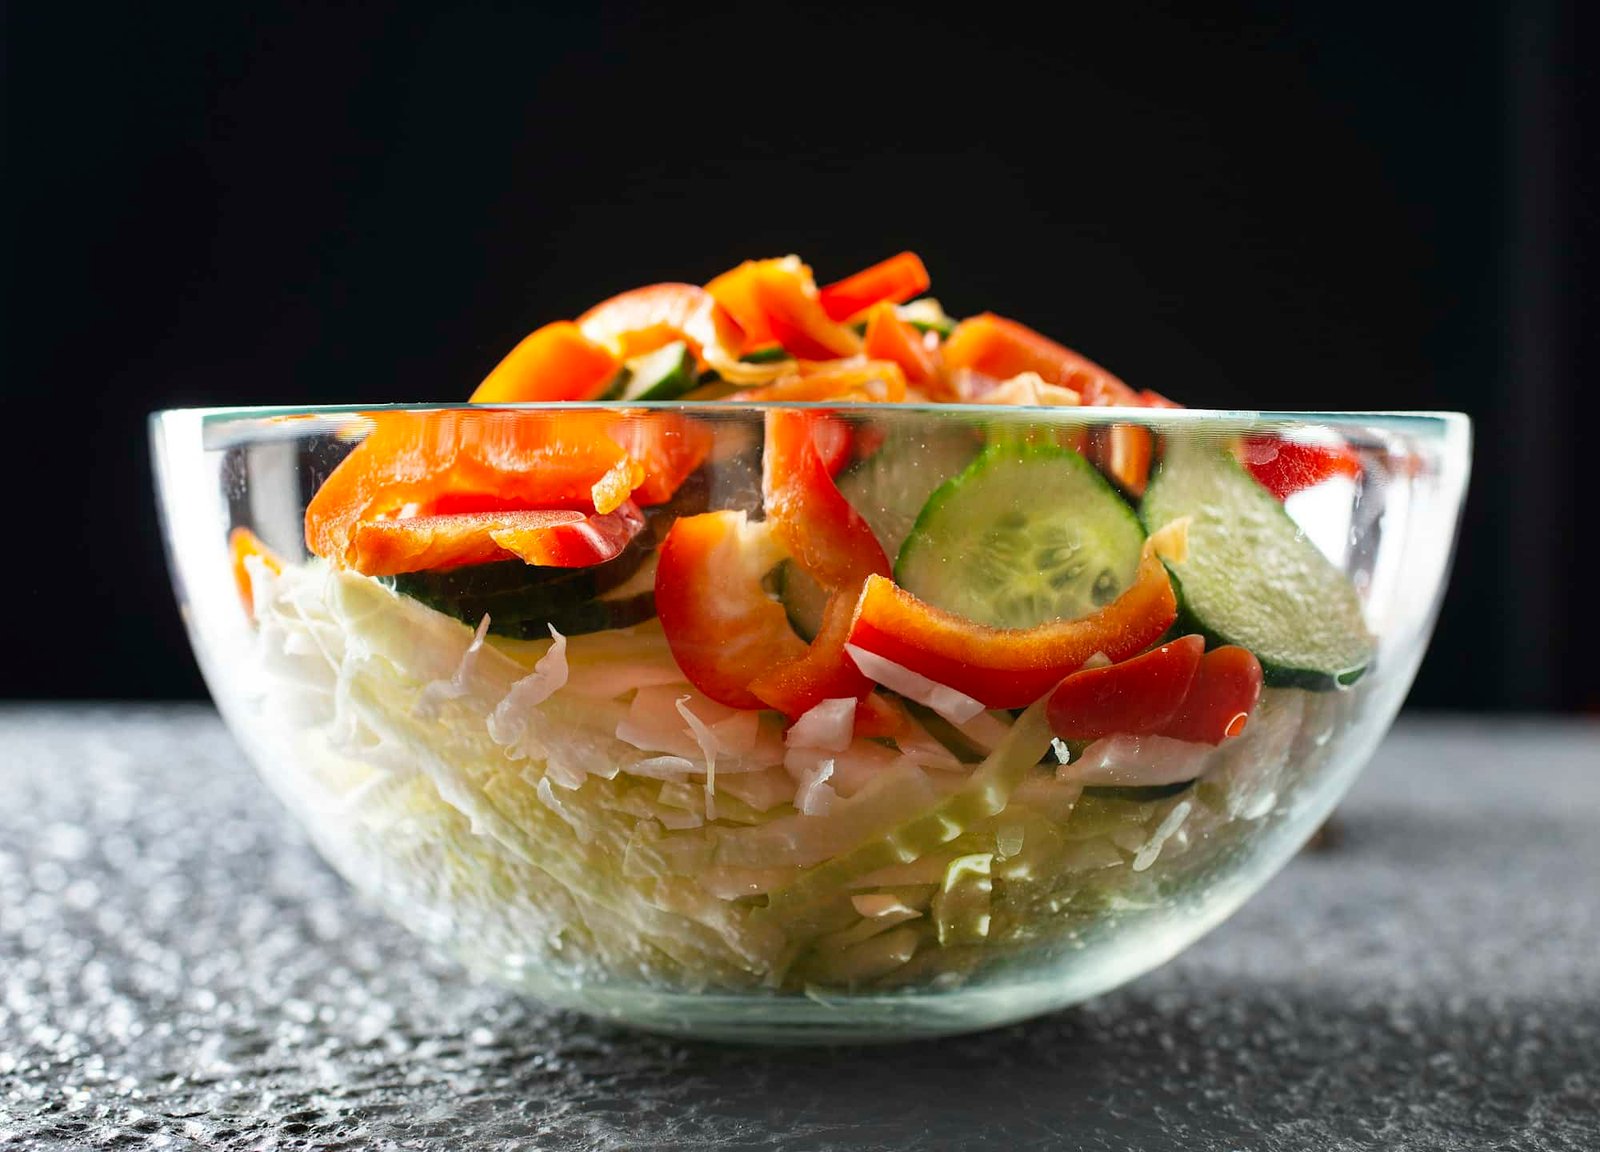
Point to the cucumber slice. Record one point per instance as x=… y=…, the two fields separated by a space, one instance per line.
x=1028 y=533
x=1252 y=577
x=890 y=487
x=522 y=600
x=802 y=597
x=771 y=354
x=665 y=374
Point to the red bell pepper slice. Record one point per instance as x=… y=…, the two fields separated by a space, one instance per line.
x=640 y=321
x=835 y=440
x=822 y=672
x=1226 y=687
x=827 y=537
x=551 y=538
x=891 y=338
x=1000 y=349
x=834 y=544
x=1136 y=697
x=556 y=362
x=1006 y=667
x=421 y=463
x=897 y=279
x=776 y=300
x=722 y=627
x=1284 y=467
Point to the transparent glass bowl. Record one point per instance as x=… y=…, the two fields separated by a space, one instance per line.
x=562 y=861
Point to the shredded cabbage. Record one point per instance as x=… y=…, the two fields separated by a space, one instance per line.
x=576 y=803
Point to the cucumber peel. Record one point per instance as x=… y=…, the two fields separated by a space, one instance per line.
x=1252 y=577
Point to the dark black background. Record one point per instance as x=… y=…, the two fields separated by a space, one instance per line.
x=1340 y=205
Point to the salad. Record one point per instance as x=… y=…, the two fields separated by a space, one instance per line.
x=825 y=689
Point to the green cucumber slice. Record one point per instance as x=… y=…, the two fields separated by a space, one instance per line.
x=803 y=599
x=665 y=374
x=890 y=487
x=523 y=600
x=1026 y=534
x=1252 y=577
x=771 y=354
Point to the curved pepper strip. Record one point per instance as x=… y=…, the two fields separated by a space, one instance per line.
x=1135 y=698
x=556 y=362
x=895 y=280
x=1000 y=349
x=644 y=319
x=1013 y=667
x=723 y=628
x=422 y=463
x=550 y=538
x=890 y=338
x=776 y=300
x=833 y=543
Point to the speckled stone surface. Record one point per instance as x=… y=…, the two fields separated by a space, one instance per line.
x=178 y=970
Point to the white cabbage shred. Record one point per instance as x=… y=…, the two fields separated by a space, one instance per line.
x=576 y=803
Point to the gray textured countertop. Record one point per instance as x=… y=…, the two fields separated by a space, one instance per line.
x=178 y=970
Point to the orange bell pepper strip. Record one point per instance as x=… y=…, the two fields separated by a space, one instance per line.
x=722 y=627
x=1135 y=698
x=891 y=338
x=1226 y=687
x=556 y=362
x=1013 y=667
x=1124 y=452
x=1284 y=467
x=420 y=463
x=897 y=279
x=644 y=319
x=242 y=545
x=552 y=538
x=878 y=381
x=776 y=300
x=993 y=346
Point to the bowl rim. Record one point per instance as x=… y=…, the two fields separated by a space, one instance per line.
x=1411 y=419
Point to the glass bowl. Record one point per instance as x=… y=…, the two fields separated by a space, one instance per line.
x=572 y=818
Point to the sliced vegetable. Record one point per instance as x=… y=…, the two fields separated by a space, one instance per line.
x=895 y=280
x=638 y=322
x=242 y=545
x=422 y=463
x=998 y=348
x=556 y=362
x=1011 y=667
x=891 y=338
x=1026 y=534
x=857 y=380
x=823 y=672
x=1226 y=686
x=665 y=374
x=1252 y=577
x=1284 y=467
x=1137 y=697
x=524 y=602
x=778 y=300
x=554 y=538
x=828 y=538
x=892 y=484
x=722 y=627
